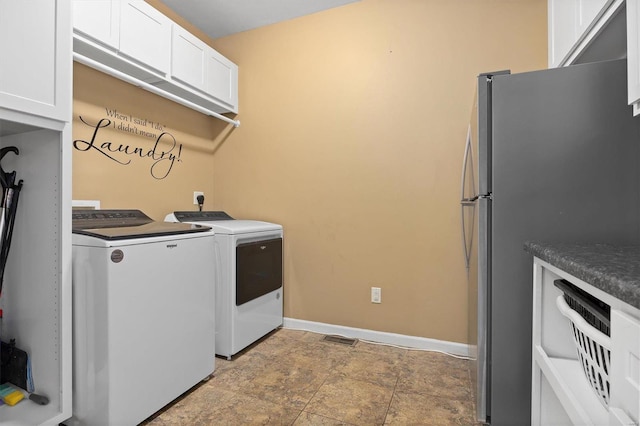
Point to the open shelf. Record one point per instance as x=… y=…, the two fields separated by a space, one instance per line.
x=572 y=389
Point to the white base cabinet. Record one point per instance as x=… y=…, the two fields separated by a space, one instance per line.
x=561 y=393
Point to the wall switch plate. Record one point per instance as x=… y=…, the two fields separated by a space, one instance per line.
x=195 y=196
x=376 y=295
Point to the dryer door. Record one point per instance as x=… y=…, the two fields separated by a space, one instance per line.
x=258 y=269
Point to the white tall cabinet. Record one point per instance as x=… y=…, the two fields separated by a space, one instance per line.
x=35 y=117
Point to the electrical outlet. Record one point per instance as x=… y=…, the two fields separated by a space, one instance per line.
x=376 y=295
x=195 y=196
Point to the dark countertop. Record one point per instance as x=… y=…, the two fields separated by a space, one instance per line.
x=612 y=269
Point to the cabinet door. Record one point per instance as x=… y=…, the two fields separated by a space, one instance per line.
x=562 y=29
x=633 y=54
x=145 y=35
x=188 y=59
x=586 y=12
x=625 y=366
x=222 y=79
x=35 y=57
x=98 y=19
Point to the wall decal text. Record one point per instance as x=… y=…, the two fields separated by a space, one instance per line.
x=164 y=152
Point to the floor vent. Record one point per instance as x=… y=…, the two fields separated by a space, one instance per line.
x=341 y=340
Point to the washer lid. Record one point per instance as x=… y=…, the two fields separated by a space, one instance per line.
x=126 y=224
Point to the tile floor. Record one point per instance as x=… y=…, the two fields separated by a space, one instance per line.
x=295 y=378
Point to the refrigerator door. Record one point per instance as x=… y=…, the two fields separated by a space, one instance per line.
x=565 y=154
x=479 y=283
x=469 y=215
x=482 y=365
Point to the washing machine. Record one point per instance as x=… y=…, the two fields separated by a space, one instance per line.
x=249 y=285
x=142 y=317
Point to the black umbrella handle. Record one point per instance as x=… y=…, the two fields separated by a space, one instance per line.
x=4 y=177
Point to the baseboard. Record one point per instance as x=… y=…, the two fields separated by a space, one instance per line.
x=413 y=342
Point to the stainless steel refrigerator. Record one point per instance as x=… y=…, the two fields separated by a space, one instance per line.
x=552 y=155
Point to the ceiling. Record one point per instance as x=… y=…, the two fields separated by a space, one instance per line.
x=219 y=18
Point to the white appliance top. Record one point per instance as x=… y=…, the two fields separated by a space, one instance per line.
x=116 y=227
x=222 y=223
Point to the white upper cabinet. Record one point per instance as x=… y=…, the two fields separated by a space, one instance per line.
x=145 y=35
x=132 y=41
x=586 y=13
x=574 y=25
x=222 y=79
x=188 y=59
x=597 y=30
x=98 y=19
x=37 y=83
x=633 y=54
x=562 y=29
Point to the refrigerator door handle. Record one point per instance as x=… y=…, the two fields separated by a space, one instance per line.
x=465 y=159
x=466 y=201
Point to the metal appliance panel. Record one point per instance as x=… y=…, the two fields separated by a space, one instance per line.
x=565 y=156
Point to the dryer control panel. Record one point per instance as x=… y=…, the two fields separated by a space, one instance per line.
x=201 y=216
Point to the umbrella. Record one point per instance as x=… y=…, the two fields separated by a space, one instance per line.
x=8 y=208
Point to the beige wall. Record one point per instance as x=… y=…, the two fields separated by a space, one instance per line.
x=150 y=182
x=352 y=135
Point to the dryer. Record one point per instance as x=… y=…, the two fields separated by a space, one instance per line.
x=142 y=317
x=249 y=279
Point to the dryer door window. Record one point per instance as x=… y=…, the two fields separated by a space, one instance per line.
x=258 y=269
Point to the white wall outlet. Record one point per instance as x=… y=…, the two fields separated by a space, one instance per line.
x=195 y=196
x=376 y=295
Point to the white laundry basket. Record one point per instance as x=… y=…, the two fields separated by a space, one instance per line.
x=594 y=348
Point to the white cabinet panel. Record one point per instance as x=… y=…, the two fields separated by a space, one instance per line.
x=562 y=29
x=633 y=54
x=222 y=79
x=586 y=12
x=625 y=365
x=145 y=35
x=188 y=59
x=35 y=52
x=575 y=24
x=98 y=19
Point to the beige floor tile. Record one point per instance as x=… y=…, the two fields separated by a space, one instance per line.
x=378 y=348
x=214 y=406
x=308 y=419
x=353 y=401
x=289 y=382
x=417 y=409
x=379 y=368
x=436 y=374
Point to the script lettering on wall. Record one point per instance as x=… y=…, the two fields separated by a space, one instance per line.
x=163 y=153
